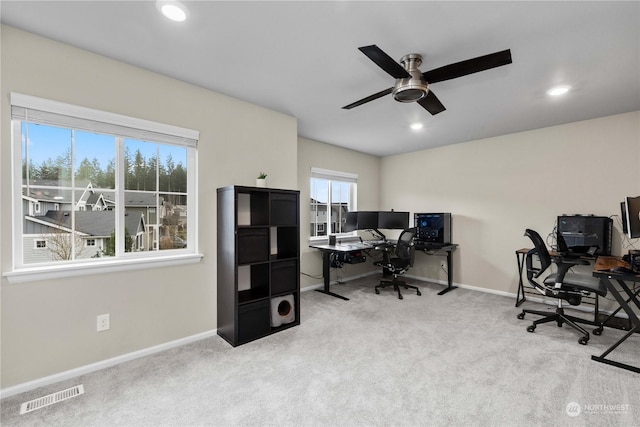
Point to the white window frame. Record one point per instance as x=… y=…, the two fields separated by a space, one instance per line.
x=37 y=242
x=50 y=112
x=332 y=175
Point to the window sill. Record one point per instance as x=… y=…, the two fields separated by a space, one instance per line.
x=46 y=273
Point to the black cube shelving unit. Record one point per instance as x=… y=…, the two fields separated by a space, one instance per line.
x=258 y=262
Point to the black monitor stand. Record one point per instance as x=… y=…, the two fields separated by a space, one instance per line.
x=377 y=233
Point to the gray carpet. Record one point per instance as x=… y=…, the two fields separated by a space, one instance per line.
x=461 y=359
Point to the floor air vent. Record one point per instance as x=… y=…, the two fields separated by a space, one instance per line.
x=50 y=399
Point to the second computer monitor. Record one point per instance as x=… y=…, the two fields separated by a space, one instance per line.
x=367 y=220
x=393 y=220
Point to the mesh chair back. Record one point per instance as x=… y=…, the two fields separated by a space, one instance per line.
x=539 y=249
x=405 y=247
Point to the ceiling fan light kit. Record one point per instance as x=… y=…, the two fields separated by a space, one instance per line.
x=413 y=88
x=412 y=85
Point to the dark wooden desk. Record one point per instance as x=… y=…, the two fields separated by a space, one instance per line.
x=601 y=270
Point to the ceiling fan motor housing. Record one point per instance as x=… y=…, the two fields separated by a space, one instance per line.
x=413 y=88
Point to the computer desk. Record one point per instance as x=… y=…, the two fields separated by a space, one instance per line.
x=436 y=249
x=429 y=249
x=328 y=250
x=601 y=271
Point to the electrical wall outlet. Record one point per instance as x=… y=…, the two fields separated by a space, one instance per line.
x=103 y=322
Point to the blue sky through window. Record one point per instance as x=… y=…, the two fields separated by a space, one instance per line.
x=50 y=142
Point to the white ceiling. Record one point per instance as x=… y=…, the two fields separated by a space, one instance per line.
x=301 y=58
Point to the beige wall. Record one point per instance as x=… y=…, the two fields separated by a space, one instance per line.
x=497 y=187
x=316 y=154
x=49 y=326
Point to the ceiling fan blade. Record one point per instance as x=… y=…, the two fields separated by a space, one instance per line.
x=385 y=62
x=431 y=103
x=368 y=98
x=469 y=66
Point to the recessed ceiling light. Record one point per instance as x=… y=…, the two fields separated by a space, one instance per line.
x=416 y=126
x=558 y=90
x=173 y=10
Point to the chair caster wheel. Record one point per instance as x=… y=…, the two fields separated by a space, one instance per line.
x=399 y=296
x=377 y=291
x=521 y=316
x=597 y=331
x=583 y=340
x=531 y=328
x=418 y=293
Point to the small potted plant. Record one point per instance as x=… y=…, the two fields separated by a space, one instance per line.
x=261 y=180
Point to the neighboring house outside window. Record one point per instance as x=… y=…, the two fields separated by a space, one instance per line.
x=83 y=174
x=333 y=194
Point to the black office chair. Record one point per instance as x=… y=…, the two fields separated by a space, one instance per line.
x=399 y=264
x=562 y=285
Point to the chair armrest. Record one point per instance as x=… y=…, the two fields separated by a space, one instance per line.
x=557 y=259
x=564 y=264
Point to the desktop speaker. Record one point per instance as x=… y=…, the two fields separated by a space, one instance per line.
x=583 y=232
x=432 y=227
x=283 y=310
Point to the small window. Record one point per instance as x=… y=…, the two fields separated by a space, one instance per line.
x=333 y=194
x=41 y=244
x=91 y=242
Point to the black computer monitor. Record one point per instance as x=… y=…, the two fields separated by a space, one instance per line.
x=351 y=223
x=393 y=220
x=367 y=220
x=631 y=215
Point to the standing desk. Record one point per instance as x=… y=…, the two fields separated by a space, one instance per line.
x=429 y=249
x=600 y=270
x=434 y=249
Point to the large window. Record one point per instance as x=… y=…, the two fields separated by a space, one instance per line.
x=333 y=194
x=91 y=186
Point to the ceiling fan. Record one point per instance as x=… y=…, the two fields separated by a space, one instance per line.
x=413 y=85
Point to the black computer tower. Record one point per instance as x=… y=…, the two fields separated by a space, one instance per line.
x=433 y=227
x=582 y=232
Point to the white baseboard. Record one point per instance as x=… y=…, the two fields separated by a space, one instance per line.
x=72 y=373
x=460 y=285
